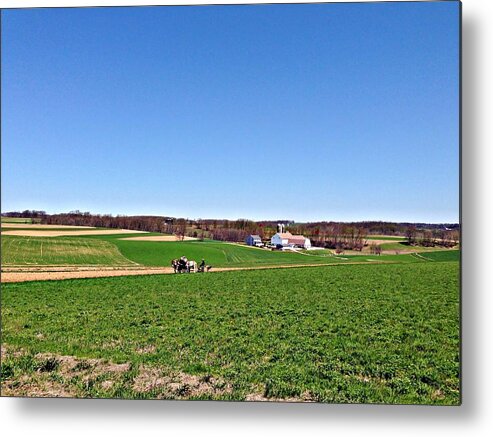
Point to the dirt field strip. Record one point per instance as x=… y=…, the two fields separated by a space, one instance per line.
x=41 y=233
x=38 y=268
x=377 y=242
x=30 y=226
x=29 y=275
x=159 y=238
x=60 y=275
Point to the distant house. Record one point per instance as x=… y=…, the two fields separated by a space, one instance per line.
x=253 y=240
x=286 y=239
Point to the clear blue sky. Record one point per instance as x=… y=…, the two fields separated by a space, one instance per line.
x=304 y=112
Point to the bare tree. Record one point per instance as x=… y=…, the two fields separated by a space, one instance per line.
x=411 y=235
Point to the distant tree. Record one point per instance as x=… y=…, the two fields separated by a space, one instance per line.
x=375 y=249
x=339 y=250
x=426 y=239
x=454 y=237
x=180 y=228
x=411 y=235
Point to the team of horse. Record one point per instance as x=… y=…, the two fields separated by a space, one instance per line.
x=183 y=265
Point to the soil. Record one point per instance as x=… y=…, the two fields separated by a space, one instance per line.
x=21 y=275
x=35 y=226
x=370 y=242
x=159 y=238
x=260 y=397
x=178 y=385
x=41 y=382
x=30 y=275
x=73 y=233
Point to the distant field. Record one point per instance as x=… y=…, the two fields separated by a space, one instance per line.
x=31 y=251
x=43 y=230
x=221 y=254
x=116 y=250
x=218 y=254
x=385 y=237
x=404 y=247
x=349 y=333
x=6 y=227
x=40 y=226
x=18 y=220
x=446 y=255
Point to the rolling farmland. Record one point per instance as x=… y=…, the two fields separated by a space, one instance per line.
x=118 y=250
x=216 y=253
x=356 y=328
x=221 y=254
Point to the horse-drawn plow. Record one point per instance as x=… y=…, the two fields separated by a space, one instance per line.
x=183 y=265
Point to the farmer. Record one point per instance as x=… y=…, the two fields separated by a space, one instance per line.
x=183 y=264
x=202 y=265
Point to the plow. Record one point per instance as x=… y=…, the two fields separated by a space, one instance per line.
x=183 y=265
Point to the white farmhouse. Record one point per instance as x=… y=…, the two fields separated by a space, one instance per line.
x=254 y=240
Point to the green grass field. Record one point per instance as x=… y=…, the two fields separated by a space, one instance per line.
x=443 y=255
x=19 y=220
x=32 y=251
x=216 y=253
x=221 y=254
x=348 y=333
x=403 y=247
x=116 y=250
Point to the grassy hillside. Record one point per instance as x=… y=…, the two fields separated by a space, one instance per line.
x=218 y=254
x=366 y=333
x=221 y=254
x=405 y=247
x=444 y=255
x=31 y=251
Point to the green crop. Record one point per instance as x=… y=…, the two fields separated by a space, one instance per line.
x=32 y=251
x=346 y=333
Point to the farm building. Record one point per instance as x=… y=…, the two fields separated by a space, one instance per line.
x=286 y=239
x=253 y=240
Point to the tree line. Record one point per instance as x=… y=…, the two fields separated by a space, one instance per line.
x=332 y=235
x=432 y=237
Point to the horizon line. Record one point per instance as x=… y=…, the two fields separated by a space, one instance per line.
x=455 y=222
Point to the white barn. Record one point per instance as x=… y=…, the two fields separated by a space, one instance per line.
x=286 y=239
